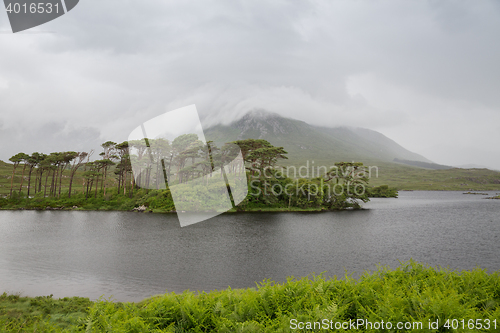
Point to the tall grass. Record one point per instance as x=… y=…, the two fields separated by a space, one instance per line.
x=41 y=314
x=413 y=292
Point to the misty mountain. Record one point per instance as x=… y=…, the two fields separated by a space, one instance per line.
x=472 y=166
x=425 y=165
x=307 y=142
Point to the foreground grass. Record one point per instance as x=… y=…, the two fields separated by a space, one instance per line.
x=41 y=314
x=410 y=293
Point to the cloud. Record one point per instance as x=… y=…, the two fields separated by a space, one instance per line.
x=408 y=69
x=47 y=138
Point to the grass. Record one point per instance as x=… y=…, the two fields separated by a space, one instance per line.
x=41 y=314
x=412 y=292
x=6 y=177
x=405 y=177
x=414 y=178
x=156 y=201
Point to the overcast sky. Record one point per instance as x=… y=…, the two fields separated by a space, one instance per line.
x=424 y=73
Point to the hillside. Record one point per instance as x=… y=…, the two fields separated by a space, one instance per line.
x=405 y=177
x=325 y=146
x=426 y=165
x=306 y=142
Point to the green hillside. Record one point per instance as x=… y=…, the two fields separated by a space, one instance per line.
x=6 y=177
x=405 y=177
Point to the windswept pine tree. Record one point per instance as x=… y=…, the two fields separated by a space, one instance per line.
x=108 y=155
x=123 y=166
x=32 y=161
x=16 y=160
x=77 y=163
x=144 y=166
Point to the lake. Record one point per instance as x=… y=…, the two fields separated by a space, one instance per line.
x=131 y=256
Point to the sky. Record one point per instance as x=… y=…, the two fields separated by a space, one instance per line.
x=424 y=73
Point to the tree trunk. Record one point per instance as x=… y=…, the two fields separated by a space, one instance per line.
x=45 y=187
x=22 y=179
x=84 y=181
x=139 y=179
x=53 y=184
x=125 y=183
x=102 y=179
x=132 y=181
x=40 y=181
x=12 y=180
x=119 y=181
x=96 y=185
x=105 y=179
x=73 y=171
x=87 y=192
x=63 y=166
x=158 y=173
x=36 y=180
x=29 y=181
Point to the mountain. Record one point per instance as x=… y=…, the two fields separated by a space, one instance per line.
x=472 y=166
x=305 y=142
x=425 y=165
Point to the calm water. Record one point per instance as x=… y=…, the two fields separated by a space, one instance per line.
x=132 y=255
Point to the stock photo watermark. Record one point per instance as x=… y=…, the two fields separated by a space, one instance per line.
x=170 y=151
x=24 y=15
x=261 y=181
x=206 y=179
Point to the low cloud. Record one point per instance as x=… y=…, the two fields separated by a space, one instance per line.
x=420 y=72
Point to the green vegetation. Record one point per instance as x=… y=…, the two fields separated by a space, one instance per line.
x=65 y=181
x=404 y=177
x=41 y=314
x=410 y=293
x=154 y=200
x=69 y=180
x=382 y=191
x=312 y=147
